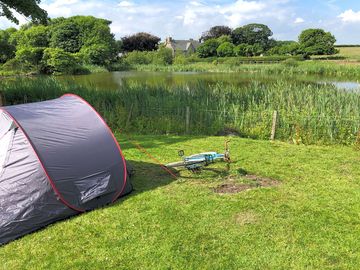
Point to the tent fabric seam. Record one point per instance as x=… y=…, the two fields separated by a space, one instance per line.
x=117 y=194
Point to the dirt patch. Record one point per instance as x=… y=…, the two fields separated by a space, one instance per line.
x=262 y=181
x=252 y=181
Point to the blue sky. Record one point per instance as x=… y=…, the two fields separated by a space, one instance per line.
x=184 y=19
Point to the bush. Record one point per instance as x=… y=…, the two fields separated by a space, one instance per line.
x=97 y=54
x=162 y=57
x=30 y=57
x=225 y=49
x=208 y=48
x=290 y=62
x=57 y=61
x=138 y=58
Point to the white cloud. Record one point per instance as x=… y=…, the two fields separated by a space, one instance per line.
x=125 y=4
x=299 y=20
x=350 y=16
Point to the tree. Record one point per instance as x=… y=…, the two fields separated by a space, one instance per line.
x=35 y=36
x=208 y=48
x=225 y=49
x=140 y=42
x=66 y=35
x=253 y=34
x=28 y=8
x=317 y=42
x=216 y=32
x=7 y=50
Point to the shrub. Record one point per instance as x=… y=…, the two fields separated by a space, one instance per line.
x=225 y=49
x=208 y=48
x=290 y=62
x=96 y=54
x=58 y=61
x=138 y=58
x=30 y=56
x=162 y=57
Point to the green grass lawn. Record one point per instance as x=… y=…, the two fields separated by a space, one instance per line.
x=311 y=220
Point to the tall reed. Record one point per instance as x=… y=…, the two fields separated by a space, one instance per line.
x=310 y=113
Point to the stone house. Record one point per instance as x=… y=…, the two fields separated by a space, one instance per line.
x=185 y=46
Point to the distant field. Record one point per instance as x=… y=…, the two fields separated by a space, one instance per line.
x=350 y=52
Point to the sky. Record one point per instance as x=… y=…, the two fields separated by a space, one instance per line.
x=184 y=19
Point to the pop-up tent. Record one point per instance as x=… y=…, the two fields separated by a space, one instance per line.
x=58 y=158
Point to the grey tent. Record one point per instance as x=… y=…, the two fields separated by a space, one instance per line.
x=58 y=158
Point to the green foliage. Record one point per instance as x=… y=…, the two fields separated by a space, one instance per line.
x=253 y=34
x=216 y=32
x=138 y=58
x=208 y=48
x=224 y=38
x=290 y=63
x=140 y=42
x=290 y=48
x=30 y=57
x=163 y=56
x=7 y=50
x=248 y=50
x=225 y=49
x=35 y=36
x=28 y=8
x=97 y=54
x=66 y=35
x=317 y=42
x=57 y=61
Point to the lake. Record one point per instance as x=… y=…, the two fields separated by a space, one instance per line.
x=116 y=80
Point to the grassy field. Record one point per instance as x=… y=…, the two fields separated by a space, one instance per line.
x=352 y=53
x=310 y=220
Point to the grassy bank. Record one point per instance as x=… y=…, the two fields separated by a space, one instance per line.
x=331 y=68
x=309 y=221
x=309 y=113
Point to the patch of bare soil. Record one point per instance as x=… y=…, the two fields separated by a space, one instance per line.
x=252 y=181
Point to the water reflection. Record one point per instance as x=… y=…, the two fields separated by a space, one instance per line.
x=115 y=80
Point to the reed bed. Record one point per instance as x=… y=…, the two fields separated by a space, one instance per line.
x=309 y=113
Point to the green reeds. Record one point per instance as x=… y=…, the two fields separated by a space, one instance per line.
x=309 y=113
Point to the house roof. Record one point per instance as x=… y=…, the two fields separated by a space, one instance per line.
x=184 y=44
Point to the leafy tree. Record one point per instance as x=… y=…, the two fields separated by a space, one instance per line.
x=7 y=50
x=97 y=54
x=66 y=35
x=225 y=49
x=29 y=57
x=140 y=42
x=208 y=48
x=163 y=56
x=285 y=48
x=253 y=34
x=216 y=32
x=28 y=8
x=223 y=39
x=36 y=36
x=56 y=60
x=317 y=42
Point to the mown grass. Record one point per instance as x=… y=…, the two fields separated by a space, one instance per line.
x=309 y=221
x=309 y=113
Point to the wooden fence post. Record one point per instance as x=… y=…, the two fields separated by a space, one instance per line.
x=273 y=128
x=187 y=127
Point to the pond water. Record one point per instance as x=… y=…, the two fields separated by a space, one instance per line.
x=115 y=80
